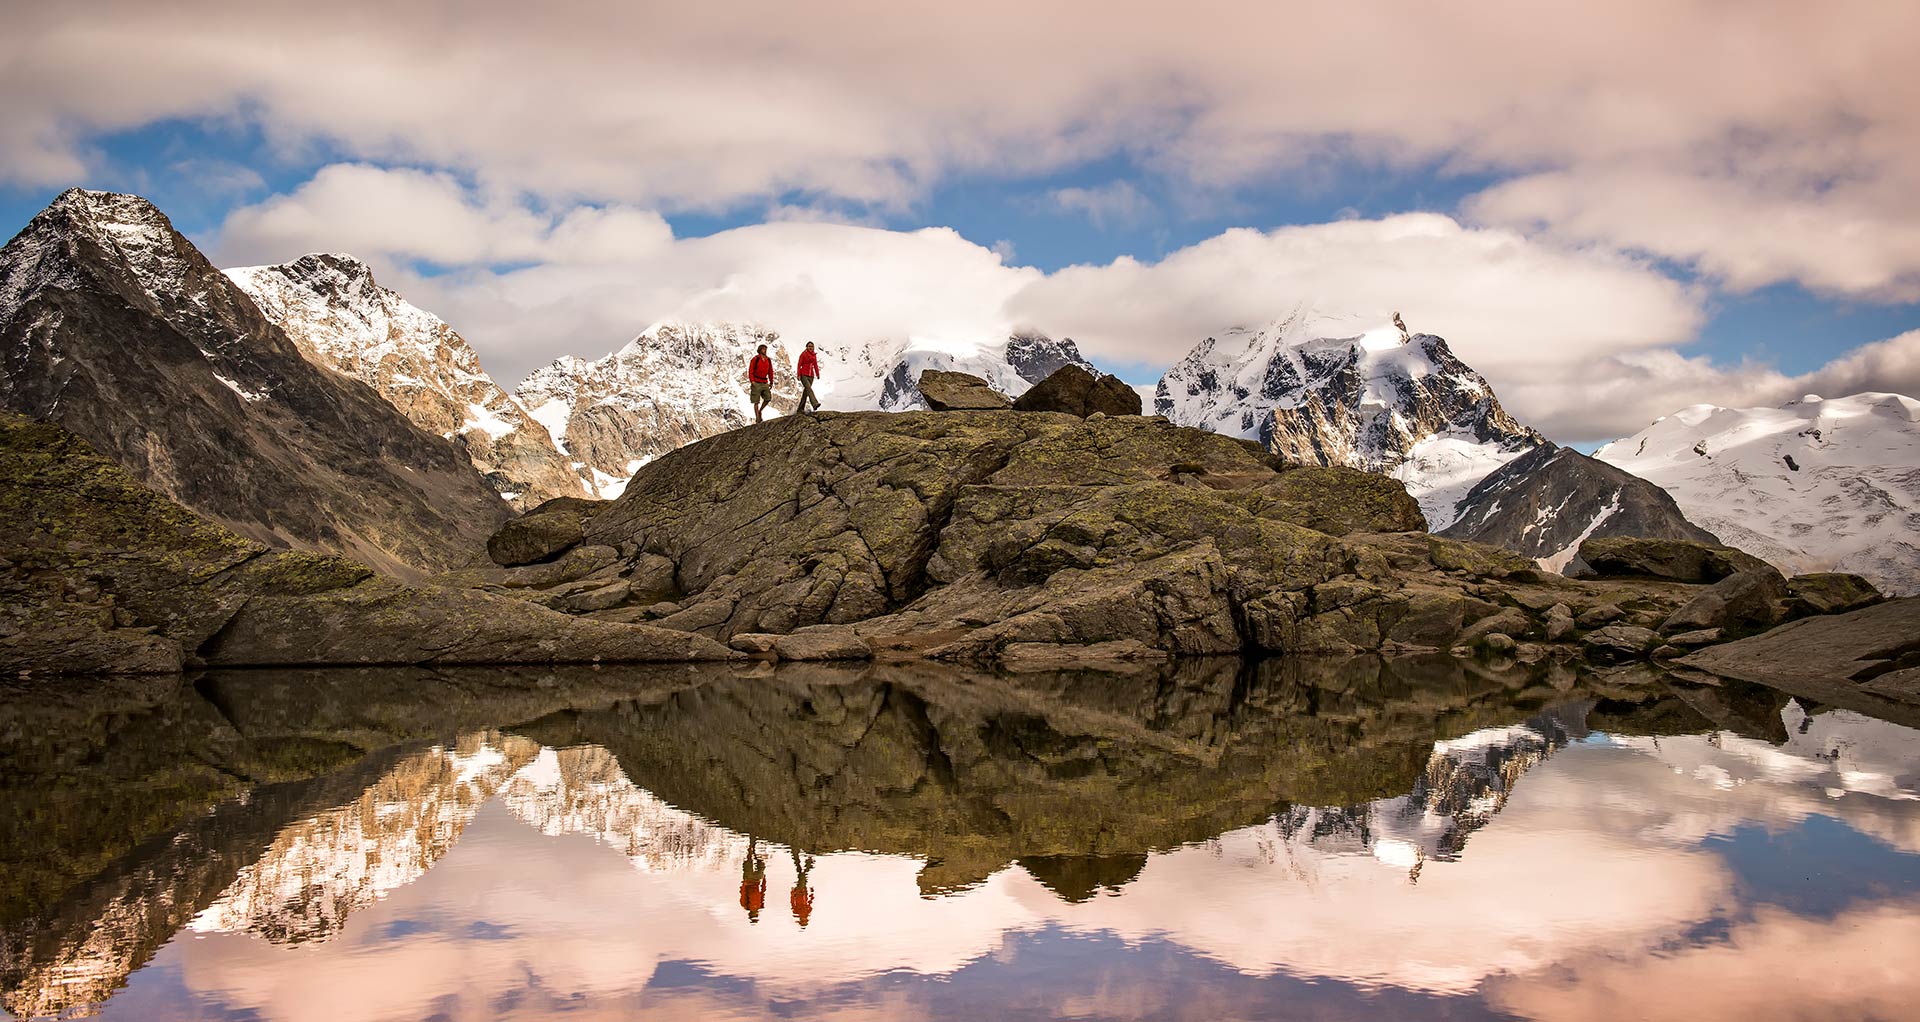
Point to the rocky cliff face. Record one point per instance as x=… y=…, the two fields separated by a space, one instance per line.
x=1320 y=392
x=670 y=386
x=1548 y=501
x=1818 y=484
x=336 y=313
x=115 y=326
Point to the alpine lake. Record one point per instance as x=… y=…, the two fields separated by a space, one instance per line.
x=1427 y=838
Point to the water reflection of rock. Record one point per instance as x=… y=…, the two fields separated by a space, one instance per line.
x=1076 y=777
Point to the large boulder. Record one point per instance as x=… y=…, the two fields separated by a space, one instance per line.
x=946 y=391
x=1866 y=659
x=1829 y=592
x=1074 y=390
x=1739 y=604
x=1678 y=560
x=543 y=533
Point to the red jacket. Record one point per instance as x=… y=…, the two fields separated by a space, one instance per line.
x=760 y=370
x=809 y=365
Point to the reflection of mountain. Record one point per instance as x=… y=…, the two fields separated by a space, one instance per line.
x=1079 y=778
x=319 y=871
x=1466 y=783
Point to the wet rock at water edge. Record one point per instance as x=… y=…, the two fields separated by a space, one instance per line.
x=1742 y=603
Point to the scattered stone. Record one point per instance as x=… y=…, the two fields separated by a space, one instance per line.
x=1829 y=592
x=1696 y=639
x=1559 y=622
x=1599 y=614
x=1509 y=621
x=1498 y=643
x=1741 y=603
x=753 y=642
x=1074 y=390
x=605 y=597
x=946 y=391
x=1620 y=642
x=1668 y=651
x=822 y=644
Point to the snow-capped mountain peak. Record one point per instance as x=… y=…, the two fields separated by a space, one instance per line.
x=1341 y=391
x=342 y=319
x=1814 y=484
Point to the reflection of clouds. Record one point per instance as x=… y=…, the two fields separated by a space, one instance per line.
x=1776 y=966
x=585 y=884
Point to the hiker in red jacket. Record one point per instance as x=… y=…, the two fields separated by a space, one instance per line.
x=760 y=382
x=808 y=371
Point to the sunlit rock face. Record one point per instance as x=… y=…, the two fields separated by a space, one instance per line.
x=343 y=320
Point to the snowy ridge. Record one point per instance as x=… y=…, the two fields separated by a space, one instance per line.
x=343 y=320
x=1340 y=391
x=1816 y=484
x=678 y=382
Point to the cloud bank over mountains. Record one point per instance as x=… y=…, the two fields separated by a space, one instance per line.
x=1637 y=157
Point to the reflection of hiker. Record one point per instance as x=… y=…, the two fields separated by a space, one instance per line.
x=802 y=896
x=760 y=382
x=808 y=371
x=753 y=882
x=1401 y=325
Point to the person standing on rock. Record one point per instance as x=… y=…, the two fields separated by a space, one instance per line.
x=808 y=371
x=760 y=382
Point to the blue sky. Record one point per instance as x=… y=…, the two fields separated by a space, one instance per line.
x=1604 y=242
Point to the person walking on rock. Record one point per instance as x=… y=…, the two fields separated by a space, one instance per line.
x=760 y=382
x=808 y=371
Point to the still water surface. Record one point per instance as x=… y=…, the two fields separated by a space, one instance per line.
x=1301 y=840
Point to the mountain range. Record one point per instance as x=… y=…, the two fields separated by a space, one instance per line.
x=305 y=404
x=114 y=326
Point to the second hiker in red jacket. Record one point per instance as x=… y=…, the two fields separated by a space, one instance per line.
x=760 y=382
x=808 y=371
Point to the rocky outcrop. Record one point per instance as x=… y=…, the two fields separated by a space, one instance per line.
x=116 y=327
x=944 y=391
x=101 y=574
x=1548 y=501
x=1867 y=659
x=1677 y=560
x=1002 y=536
x=543 y=533
x=342 y=319
x=1077 y=391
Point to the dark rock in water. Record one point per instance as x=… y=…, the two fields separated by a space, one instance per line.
x=1544 y=503
x=1078 y=391
x=116 y=327
x=107 y=576
x=1675 y=559
x=1740 y=604
x=1829 y=592
x=946 y=391
x=1867 y=659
